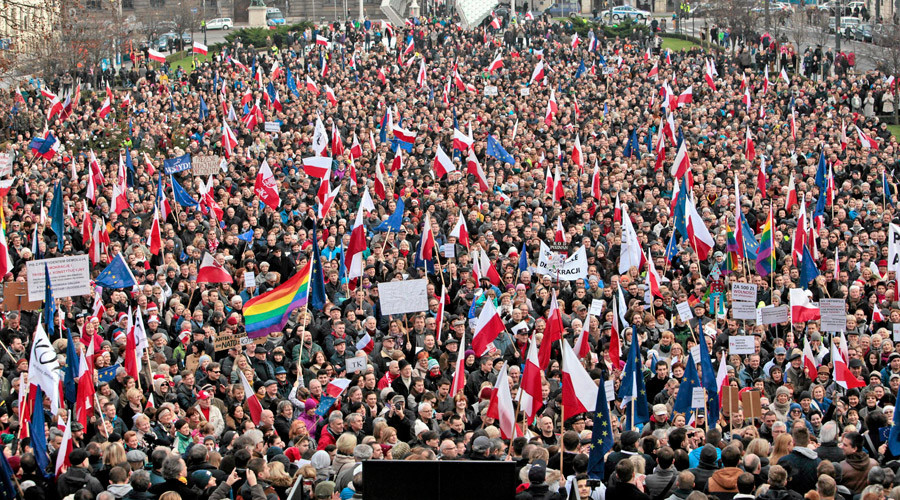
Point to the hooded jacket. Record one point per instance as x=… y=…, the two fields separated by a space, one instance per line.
x=801 y=464
x=855 y=471
x=75 y=479
x=724 y=480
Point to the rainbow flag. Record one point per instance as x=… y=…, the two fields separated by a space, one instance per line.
x=269 y=312
x=731 y=260
x=765 y=257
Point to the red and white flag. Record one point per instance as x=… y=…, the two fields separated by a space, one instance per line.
x=253 y=403
x=709 y=76
x=155 y=234
x=487 y=327
x=421 y=78
x=686 y=97
x=442 y=163
x=496 y=64
x=653 y=279
x=761 y=177
x=577 y=153
x=311 y=86
x=156 y=56
x=357 y=246
x=583 y=344
x=698 y=234
x=501 y=407
x=553 y=332
x=842 y=375
x=530 y=394
x=211 y=271
x=749 y=147
x=865 y=141
x=474 y=167
x=809 y=360
x=266 y=186
x=791 y=199
x=329 y=95
x=65 y=448
x=355 y=148
x=459 y=371
x=538 y=73
x=595 y=182
x=317 y=166
x=199 y=48
x=802 y=310
x=559 y=235
x=579 y=392
x=460 y=231
x=366 y=344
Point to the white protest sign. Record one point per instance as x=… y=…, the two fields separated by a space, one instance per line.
x=5 y=164
x=490 y=90
x=894 y=248
x=273 y=127
x=610 y=389
x=772 y=315
x=596 y=308
x=743 y=292
x=249 y=279
x=743 y=310
x=70 y=277
x=896 y=327
x=400 y=297
x=356 y=364
x=684 y=311
x=556 y=265
x=695 y=353
x=206 y=165
x=741 y=344
x=448 y=250
x=608 y=70
x=525 y=91
x=698 y=398
x=834 y=315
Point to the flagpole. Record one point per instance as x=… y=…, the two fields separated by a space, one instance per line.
x=437 y=253
x=562 y=408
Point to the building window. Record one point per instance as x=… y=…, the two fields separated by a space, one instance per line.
x=93 y=4
x=128 y=4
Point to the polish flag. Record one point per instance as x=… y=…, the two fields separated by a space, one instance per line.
x=266 y=186
x=382 y=77
x=749 y=148
x=496 y=64
x=311 y=86
x=530 y=394
x=422 y=76
x=558 y=190
x=337 y=387
x=553 y=332
x=538 y=73
x=199 y=48
x=379 y=185
x=802 y=309
x=461 y=141
x=474 y=167
x=686 y=97
x=105 y=108
x=442 y=163
x=549 y=186
x=459 y=372
x=682 y=163
x=501 y=407
x=253 y=402
x=761 y=177
x=653 y=279
x=865 y=141
x=877 y=316
x=722 y=381
x=552 y=108
x=617 y=210
x=397 y=162
x=698 y=234
x=156 y=56
x=329 y=95
x=575 y=40
x=809 y=361
x=576 y=108
x=62 y=457
x=578 y=153
x=426 y=249
x=337 y=144
x=487 y=327
x=321 y=40
x=355 y=148
x=84 y=401
x=325 y=206
x=842 y=375
x=559 y=236
x=356 y=246
x=366 y=344
x=660 y=151
x=211 y=271
x=709 y=76
x=766 y=81
x=844 y=139
x=317 y=166
x=460 y=231
x=583 y=344
x=595 y=182
x=229 y=141
x=120 y=189
x=579 y=392
x=155 y=234
x=654 y=72
x=784 y=76
x=791 y=199
x=746 y=99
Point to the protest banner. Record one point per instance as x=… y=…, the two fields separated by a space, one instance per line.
x=175 y=165
x=70 y=276
x=743 y=292
x=400 y=297
x=15 y=298
x=774 y=314
x=273 y=127
x=834 y=315
x=684 y=311
x=741 y=344
x=743 y=310
x=206 y=165
x=224 y=342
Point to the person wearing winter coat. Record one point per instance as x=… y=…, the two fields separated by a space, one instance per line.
x=174 y=471
x=78 y=476
x=855 y=468
x=537 y=489
x=627 y=485
x=210 y=413
x=684 y=486
x=777 y=490
x=801 y=462
x=725 y=479
x=706 y=467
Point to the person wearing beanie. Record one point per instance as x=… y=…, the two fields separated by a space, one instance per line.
x=78 y=476
x=707 y=466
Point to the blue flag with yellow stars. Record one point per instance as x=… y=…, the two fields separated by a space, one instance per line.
x=632 y=391
x=708 y=377
x=495 y=149
x=116 y=275
x=601 y=437
x=686 y=389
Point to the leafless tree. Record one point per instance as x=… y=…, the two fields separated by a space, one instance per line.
x=25 y=26
x=888 y=56
x=738 y=15
x=186 y=16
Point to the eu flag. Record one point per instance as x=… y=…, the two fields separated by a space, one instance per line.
x=708 y=378
x=291 y=83
x=317 y=279
x=601 y=437
x=581 y=69
x=495 y=149
x=58 y=224
x=38 y=433
x=893 y=440
x=808 y=270
x=686 y=389
x=248 y=236
x=820 y=170
x=393 y=222
x=672 y=248
x=751 y=246
x=7 y=483
x=204 y=109
x=681 y=211
x=181 y=196
x=70 y=382
x=116 y=275
x=523 y=258
x=632 y=390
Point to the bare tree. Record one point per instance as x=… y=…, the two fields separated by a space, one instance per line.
x=25 y=27
x=738 y=15
x=186 y=16
x=887 y=59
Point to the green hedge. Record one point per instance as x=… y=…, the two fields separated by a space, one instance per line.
x=689 y=38
x=258 y=37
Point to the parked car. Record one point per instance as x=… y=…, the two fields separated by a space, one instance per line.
x=220 y=23
x=848 y=24
x=563 y=9
x=274 y=17
x=624 y=12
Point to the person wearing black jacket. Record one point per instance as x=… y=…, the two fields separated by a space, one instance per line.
x=627 y=483
x=174 y=471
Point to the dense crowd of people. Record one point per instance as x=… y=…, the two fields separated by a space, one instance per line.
x=186 y=428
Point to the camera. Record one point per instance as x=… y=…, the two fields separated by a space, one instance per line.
x=241 y=472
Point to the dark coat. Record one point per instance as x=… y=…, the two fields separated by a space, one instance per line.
x=186 y=492
x=626 y=491
x=75 y=479
x=801 y=464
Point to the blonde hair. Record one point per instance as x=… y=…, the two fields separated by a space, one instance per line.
x=114 y=454
x=345 y=443
x=783 y=445
x=276 y=471
x=170 y=495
